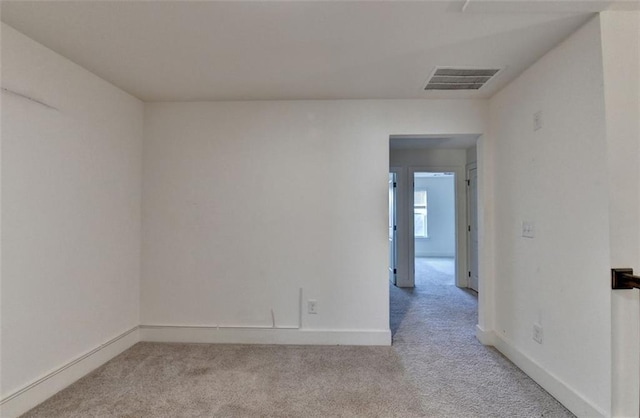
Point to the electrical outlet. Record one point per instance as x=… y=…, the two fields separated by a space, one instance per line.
x=537 y=333
x=312 y=306
x=537 y=120
x=528 y=229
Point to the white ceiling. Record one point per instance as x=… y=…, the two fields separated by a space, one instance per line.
x=179 y=50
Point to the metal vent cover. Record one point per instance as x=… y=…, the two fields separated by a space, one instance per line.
x=448 y=78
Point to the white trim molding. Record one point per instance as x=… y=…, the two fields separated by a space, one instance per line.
x=568 y=396
x=48 y=385
x=264 y=335
x=485 y=337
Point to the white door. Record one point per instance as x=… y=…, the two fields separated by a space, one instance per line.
x=473 y=227
x=392 y=228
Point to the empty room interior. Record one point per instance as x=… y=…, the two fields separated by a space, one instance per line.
x=314 y=208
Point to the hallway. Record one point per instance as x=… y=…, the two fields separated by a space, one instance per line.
x=433 y=327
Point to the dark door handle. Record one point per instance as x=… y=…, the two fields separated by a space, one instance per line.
x=624 y=279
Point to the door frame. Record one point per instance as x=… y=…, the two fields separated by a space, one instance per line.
x=471 y=166
x=460 y=207
x=393 y=227
x=402 y=273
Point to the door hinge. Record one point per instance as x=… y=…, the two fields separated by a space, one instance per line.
x=469 y=274
x=469 y=228
x=468 y=182
x=395 y=227
x=394 y=271
x=395 y=184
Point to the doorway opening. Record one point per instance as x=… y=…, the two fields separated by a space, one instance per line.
x=413 y=160
x=434 y=228
x=415 y=224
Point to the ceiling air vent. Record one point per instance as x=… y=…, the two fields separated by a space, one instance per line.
x=460 y=78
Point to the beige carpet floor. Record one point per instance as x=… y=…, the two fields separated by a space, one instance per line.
x=436 y=368
x=201 y=380
x=433 y=328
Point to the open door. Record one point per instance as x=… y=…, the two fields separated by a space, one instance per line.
x=472 y=202
x=392 y=228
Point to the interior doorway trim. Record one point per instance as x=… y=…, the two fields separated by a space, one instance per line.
x=402 y=273
x=471 y=224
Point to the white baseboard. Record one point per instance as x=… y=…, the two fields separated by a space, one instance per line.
x=566 y=395
x=291 y=336
x=485 y=337
x=38 y=391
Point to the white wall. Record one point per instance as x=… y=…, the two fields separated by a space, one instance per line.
x=472 y=154
x=441 y=218
x=621 y=61
x=427 y=157
x=220 y=248
x=71 y=182
x=555 y=177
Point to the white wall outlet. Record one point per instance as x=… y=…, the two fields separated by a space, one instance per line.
x=537 y=333
x=312 y=306
x=528 y=229
x=537 y=120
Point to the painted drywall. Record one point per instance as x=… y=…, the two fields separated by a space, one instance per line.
x=621 y=62
x=427 y=157
x=71 y=194
x=441 y=218
x=555 y=177
x=220 y=248
x=472 y=154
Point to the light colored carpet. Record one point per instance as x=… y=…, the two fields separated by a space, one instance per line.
x=456 y=376
x=202 y=380
x=436 y=368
